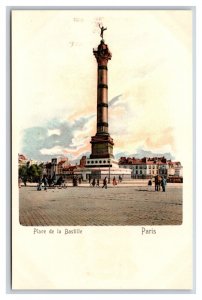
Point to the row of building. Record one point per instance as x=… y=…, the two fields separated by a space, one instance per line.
x=149 y=167
x=140 y=168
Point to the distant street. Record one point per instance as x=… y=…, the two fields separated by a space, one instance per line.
x=125 y=204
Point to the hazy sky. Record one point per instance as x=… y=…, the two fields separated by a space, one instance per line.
x=55 y=80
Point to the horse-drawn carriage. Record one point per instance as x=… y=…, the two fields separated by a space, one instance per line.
x=59 y=183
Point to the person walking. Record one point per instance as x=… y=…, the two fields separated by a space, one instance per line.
x=98 y=183
x=93 y=182
x=114 y=181
x=156 y=183
x=163 y=184
x=75 y=181
x=160 y=182
x=105 y=183
x=149 y=185
x=45 y=181
x=39 y=185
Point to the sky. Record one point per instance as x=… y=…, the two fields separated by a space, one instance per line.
x=54 y=81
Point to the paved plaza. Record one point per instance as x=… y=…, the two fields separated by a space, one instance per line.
x=86 y=206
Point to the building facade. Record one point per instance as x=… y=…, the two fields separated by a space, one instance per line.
x=150 y=167
x=56 y=166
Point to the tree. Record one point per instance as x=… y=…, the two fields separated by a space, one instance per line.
x=35 y=172
x=22 y=171
x=30 y=173
x=23 y=174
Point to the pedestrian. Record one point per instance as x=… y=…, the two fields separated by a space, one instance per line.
x=75 y=181
x=149 y=185
x=120 y=178
x=39 y=185
x=105 y=183
x=163 y=184
x=93 y=182
x=156 y=183
x=45 y=181
x=159 y=182
x=114 y=181
x=98 y=183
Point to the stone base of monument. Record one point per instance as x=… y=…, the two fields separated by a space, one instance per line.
x=100 y=168
x=102 y=163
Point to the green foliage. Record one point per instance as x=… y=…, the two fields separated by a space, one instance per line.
x=22 y=171
x=31 y=173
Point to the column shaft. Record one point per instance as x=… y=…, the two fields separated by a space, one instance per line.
x=102 y=100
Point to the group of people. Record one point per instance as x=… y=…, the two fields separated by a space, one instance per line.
x=45 y=182
x=96 y=182
x=76 y=180
x=105 y=181
x=160 y=182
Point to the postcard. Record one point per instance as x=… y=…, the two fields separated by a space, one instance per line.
x=102 y=149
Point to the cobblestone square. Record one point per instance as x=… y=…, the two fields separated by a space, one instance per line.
x=88 y=206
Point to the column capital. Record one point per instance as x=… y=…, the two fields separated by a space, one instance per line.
x=102 y=54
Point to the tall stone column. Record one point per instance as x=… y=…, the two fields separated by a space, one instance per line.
x=102 y=55
x=102 y=143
